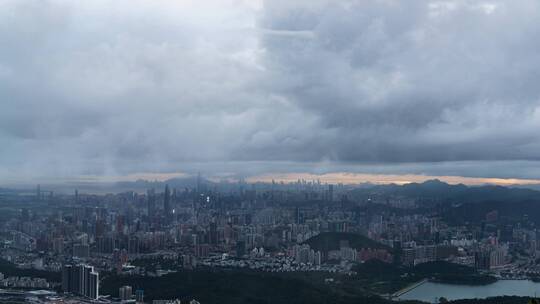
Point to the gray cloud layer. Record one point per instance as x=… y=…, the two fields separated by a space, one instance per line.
x=114 y=87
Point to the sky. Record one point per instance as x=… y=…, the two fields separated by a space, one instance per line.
x=383 y=90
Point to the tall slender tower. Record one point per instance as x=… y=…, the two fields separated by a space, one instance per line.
x=167 y=201
x=198 y=183
x=151 y=201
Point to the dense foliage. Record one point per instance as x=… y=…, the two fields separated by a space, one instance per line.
x=380 y=277
x=244 y=286
x=327 y=241
x=237 y=287
x=9 y=269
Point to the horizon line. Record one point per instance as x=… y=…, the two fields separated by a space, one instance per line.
x=346 y=178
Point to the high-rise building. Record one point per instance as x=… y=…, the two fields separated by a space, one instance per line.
x=67 y=278
x=93 y=284
x=81 y=250
x=151 y=201
x=174 y=195
x=120 y=223
x=213 y=234
x=133 y=245
x=482 y=259
x=167 y=202
x=139 y=296
x=99 y=228
x=125 y=293
x=198 y=183
x=240 y=248
x=58 y=245
x=81 y=279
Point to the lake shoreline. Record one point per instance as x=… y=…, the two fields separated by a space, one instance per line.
x=429 y=290
x=452 y=281
x=408 y=288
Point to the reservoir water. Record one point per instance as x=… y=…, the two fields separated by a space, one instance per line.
x=430 y=291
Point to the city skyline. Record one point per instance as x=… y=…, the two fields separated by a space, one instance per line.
x=347 y=178
x=269 y=151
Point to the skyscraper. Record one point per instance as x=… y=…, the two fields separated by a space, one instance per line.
x=167 y=202
x=125 y=293
x=198 y=183
x=151 y=201
x=213 y=234
x=139 y=296
x=81 y=279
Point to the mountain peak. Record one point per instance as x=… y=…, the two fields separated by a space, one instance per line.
x=434 y=182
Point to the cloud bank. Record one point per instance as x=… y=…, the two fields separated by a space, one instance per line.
x=123 y=87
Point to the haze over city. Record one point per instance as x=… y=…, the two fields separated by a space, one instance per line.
x=269 y=151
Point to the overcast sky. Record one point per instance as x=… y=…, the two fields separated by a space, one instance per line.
x=120 y=87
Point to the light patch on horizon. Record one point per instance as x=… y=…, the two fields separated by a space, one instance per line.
x=400 y=179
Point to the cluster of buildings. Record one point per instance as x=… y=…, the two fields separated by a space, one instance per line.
x=23 y=282
x=175 y=301
x=126 y=295
x=257 y=226
x=492 y=257
x=81 y=280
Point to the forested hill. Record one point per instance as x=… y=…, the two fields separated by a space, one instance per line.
x=327 y=241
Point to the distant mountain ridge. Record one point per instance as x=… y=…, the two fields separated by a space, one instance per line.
x=430 y=189
x=439 y=191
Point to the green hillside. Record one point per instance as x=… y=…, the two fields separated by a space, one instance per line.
x=9 y=269
x=239 y=287
x=327 y=241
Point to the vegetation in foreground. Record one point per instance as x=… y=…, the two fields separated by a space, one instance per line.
x=382 y=278
x=245 y=286
x=9 y=269
x=237 y=287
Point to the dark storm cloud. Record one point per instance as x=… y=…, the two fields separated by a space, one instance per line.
x=116 y=87
x=413 y=81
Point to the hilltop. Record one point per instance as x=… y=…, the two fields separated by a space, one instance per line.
x=438 y=191
x=327 y=241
